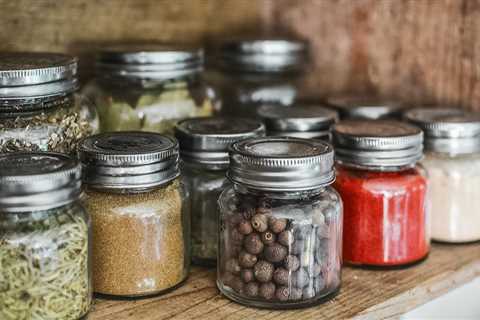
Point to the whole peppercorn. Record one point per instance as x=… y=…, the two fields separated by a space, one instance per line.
x=286 y=238
x=267 y=291
x=236 y=236
x=232 y=266
x=233 y=220
x=291 y=263
x=282 y=293
x=295 y=293
x=246 y=260
x=237 y=285
x=268 y=237
x=301 y=278
x=275 y=252
x=253 y=243
x=308 y=292
x=249 y=212
x=251 y=289
x=263 y=271
x=281 y=276
x=245 y=227
x=277 y=225
x=227 y=279
x=247 y=275
x=259 y=222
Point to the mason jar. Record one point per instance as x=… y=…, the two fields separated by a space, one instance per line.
x=204 y=146
x=140 y=213
x=150 y=88
x=250 y=73
x=369 y=107
x=280 y=224
x=452 y=160
x=40 y=109
x=44 y=238
x=384 y=192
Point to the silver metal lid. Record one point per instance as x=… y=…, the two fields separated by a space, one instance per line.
x=157 y=62
x=38 y=181
x=380 y=143
x=281 y=164
x=128 y=160
x=448 y=130
x=36 y=75
x=206 y=140
x=366 y=107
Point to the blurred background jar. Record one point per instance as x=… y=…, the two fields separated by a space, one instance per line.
x=150 y=87
x=452 y=160
x=39 y=107
x=368 y=107
x=204 y=144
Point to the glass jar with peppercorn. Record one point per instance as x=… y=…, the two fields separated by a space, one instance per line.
x=384 y=192
x=280 y=224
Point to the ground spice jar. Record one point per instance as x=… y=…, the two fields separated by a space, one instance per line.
x=280 y=224
x=141 y=225
x=452 y=160
x=384 y=192
x=204 y=146
x=44 y=238
x=366 y=107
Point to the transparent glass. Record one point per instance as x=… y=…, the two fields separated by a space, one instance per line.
x=386 y=220
x=147 y=105
x=279 y=250
x=140 y=239
x=45 y=264
x=47 y=124
x=454 y=196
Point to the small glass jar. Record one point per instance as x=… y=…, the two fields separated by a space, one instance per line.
x=45 y=238
x=204 y=146
x=39 y=107
x=366 y=107
x=384 y=192
x=280 y=224
x=251 y=73
x=140 y=213
x=298 y=121
x=452 y=160
x=150 y=88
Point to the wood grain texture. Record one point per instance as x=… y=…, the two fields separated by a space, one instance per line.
x=365 y=294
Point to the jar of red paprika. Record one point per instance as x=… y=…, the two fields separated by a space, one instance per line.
x=384 y=192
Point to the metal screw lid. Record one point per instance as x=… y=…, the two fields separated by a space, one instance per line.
x=206 y=140
x=366 y=107
x=38 y=181
x=36 y=74
x=379 y=143
x=130 y=160
x=281 y=164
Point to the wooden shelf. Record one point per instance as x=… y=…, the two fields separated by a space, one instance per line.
x=365 y=294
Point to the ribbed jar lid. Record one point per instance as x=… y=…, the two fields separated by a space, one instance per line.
x=207 y=140
x=281 y=164
x=36 y=74
x=130 y=160
x=37 y=181
x=366 y=107
x=379 y=143
x=150 y=61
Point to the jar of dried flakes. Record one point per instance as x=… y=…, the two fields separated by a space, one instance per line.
x=39 y=107
x=44 y=238
x=280 y=224
x=140 y=218
x=204 y=146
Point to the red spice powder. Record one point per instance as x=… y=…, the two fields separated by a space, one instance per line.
x=385 y=216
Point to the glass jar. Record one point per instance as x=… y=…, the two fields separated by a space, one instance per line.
x=139 y=209
x=280 y=224
x=204 y=146
x=150 y=88
x=45 y=239
x=384 y=192
x=452 y=160
x=250 y=73
x=367 y=107
x=39 y=107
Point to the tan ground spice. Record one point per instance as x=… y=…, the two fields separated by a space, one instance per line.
x=138 y=241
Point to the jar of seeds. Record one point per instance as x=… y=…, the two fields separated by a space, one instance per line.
x=280 y=224
x=140 y=217
x=204 y=146
x=44 y=238
x=39 y=107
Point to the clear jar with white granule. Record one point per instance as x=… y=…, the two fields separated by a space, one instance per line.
x=452 y=160
x=140 y=213
x=204 y=146
x=280 y=224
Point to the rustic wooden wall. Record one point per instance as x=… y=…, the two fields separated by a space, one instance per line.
x=420 y=50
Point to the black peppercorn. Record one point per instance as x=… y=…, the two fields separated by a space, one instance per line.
x=237 y=285
x=286 y=238
x=281 y=276
x=259 y=222
x=247 y=275
x=232 y=266
x=246 y=260
x=301 y=278
x=263 y=271
x=268 y=237
x=282 y=293
x=267 y=291
x=253 y=243
x=291 y=263
x=251 y=289
x=245 y=227
x=275 y=252
x=277 y=225
x=295 y=293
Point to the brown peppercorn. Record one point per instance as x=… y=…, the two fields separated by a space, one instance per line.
x=248 y=213
x=281 y=276
x=247 y=275
x=251 y=289
x=268 y=237
x=291 y=263
x=282 y=293
x=295 y=293
x=253 y=243
x=267 y=290
x=246 y=260
x=259 y=222
x=237 y=285
x=277 y=225
x=236 y=236
x=245 y=227
x=275 y=252
x=232 y=266
x=263 y=271
x=286 y=238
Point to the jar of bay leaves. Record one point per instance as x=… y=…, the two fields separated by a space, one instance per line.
x=39 y=107
x=44 y=238
x=204 y=146
x=150 y=87
x=140 y=215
